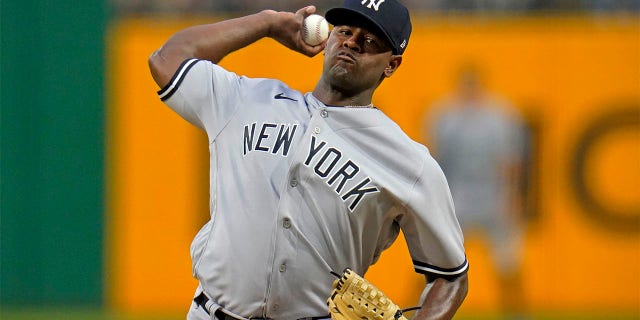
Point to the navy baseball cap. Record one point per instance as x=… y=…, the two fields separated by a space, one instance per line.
x=389 y=16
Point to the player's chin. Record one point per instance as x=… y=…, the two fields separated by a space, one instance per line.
x=341 y=78
x=346 y=83
x=342 y=71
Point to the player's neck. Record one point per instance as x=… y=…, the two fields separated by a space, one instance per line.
x=339 y=98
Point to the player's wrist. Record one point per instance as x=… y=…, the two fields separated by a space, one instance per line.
x=271 y=20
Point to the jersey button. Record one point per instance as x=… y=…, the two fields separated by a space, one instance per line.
x=286 y=223
x=316 y=130
x=283 y=267
x=324 y=113
x=293 y=182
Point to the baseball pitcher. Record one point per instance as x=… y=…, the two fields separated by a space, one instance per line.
x=308 y=189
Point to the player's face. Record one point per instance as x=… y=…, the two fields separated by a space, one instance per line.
x=357 y=59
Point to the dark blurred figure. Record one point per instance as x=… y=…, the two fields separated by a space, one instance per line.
x=478 y=138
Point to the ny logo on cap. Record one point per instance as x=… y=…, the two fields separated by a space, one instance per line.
x=373 y=3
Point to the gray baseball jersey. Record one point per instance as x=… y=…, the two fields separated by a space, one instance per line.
x=299 y=188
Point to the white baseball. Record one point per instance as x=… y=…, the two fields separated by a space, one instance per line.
x=315 y=30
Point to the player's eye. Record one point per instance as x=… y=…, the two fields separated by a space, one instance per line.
x=372 y=42
x=343 y=30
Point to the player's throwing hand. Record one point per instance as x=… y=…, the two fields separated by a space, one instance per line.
x=287 y=29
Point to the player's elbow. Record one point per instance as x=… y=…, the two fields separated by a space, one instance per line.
x=156 y=66
x=153 y=61
x=463 y=287
x=460 y=288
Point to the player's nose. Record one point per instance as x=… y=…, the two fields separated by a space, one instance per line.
x=352 y=43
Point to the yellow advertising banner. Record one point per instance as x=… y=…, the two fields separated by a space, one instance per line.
x=576 y=81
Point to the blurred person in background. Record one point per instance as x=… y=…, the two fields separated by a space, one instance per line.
x=478 y=140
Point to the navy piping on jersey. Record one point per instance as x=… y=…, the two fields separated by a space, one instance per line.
x=422 y=267
x=177 y=78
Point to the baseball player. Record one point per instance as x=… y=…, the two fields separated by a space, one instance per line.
x=303 y=185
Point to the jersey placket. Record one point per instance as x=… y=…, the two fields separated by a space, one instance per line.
x=286 y=233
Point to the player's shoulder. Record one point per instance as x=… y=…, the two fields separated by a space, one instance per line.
x=405 y=140
x=259 y=88
x=412 y=151
x=415 y=152
x=208 y=68
x=193 y=74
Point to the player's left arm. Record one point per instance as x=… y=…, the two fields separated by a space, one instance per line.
x=436 y=243
x=443 y=297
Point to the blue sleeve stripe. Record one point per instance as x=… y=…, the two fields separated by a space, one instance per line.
x=422 y=267
x=171 y=87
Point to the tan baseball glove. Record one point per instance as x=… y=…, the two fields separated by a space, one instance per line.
x=355 y=298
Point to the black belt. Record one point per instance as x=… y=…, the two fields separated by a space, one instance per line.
x=202 y=299
x=220 y=313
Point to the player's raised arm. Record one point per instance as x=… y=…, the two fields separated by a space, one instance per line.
x=214 y=41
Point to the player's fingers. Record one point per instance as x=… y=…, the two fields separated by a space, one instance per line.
x=308 y=50
x=301 y=46
x=315 y=50
x=306 y=11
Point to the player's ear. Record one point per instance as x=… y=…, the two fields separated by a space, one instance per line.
x=393 y=65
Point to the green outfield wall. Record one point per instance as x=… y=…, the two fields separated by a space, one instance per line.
x=52 y=151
